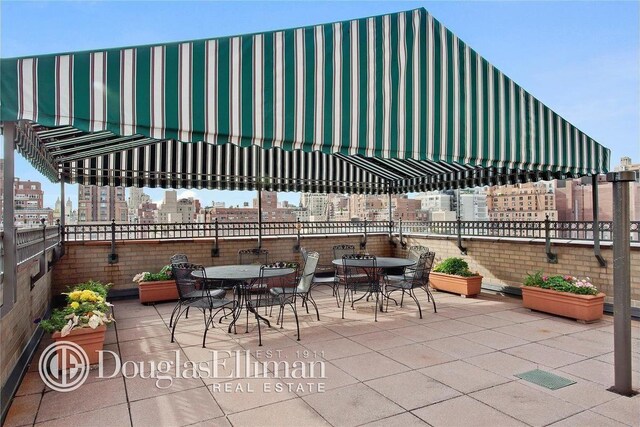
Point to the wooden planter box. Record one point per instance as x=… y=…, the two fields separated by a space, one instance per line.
x=91 y=341
x=465 y=286
x=584 y=308
x=163 y=290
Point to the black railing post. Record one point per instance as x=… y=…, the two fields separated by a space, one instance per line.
x=596 y=222
x=215 y=251
x=463 y=250
x=43 y=256
x=112 y=258
x=363 y=243
x=401 y=236
x=296 y=247
x=60 y=233
x=44 y=237
x=552 y=258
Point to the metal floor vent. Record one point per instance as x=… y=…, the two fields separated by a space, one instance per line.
x=545 y=379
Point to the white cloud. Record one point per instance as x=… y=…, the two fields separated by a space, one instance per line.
x=187 y=194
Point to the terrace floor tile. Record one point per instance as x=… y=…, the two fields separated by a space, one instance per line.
x=352 y=405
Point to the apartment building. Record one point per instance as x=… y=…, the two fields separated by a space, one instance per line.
x=522 y=202
x=101 y=204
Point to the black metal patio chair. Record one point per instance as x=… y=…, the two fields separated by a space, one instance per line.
x=413 y=253
x=303 y=288
x=360 y=273
x=277 y=275
x=330 y=274
x=209 y=299
x=415 y=277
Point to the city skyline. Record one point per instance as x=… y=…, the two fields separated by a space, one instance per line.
x=591 y=81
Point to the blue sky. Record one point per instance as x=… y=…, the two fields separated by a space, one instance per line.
x=580 y=58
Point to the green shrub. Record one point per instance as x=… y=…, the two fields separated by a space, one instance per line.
x=454 y=266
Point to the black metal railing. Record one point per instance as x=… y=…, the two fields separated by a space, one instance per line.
x=558 y=230
x=32 y=242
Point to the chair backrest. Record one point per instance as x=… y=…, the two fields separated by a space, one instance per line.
x=356 y=267
x=285 y=280
x=178 y=258
x=419 y=274
x=186 y=282
x=253 y=256
x=306 y=279
x=340 y=250
x=416 y=251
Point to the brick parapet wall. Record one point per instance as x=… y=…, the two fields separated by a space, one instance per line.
x=17 y=326
x=88 y=260
x=506 y=261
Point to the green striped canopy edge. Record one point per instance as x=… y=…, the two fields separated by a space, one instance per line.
x=398 y=96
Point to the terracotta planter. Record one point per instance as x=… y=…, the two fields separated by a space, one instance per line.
x=465 y=286
x=584 y=308
x=91 y=341
x=163 y=290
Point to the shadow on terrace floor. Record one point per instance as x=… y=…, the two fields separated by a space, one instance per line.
x=455 y=367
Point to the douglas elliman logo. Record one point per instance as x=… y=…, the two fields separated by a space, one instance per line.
x=64 y=367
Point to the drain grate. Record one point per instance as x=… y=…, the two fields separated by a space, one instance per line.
x=545 y=379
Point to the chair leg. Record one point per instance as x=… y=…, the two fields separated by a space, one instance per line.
x=376 y=309
x=430 y=296
x=173 y=313
x=415 y=298
x=175 y=323
x=295 y=314
x=259 y=330
x=310 y=298
x=344 y=300
x=207 y=322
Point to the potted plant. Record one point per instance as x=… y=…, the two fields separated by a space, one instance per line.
x=566 y=296
x=453 y=275
x=156 y=287
x=83 y=319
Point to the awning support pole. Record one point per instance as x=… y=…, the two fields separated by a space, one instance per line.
x=260 y=178
x=596 y=222
x=9 y=239
x=390 y=218
x=621 y=282
x=259 y=216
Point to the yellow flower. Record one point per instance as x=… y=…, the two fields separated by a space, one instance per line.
x=88 y=295
x=75 y=305
x=75 y=295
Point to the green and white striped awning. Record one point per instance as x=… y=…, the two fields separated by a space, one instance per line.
x=392 y=103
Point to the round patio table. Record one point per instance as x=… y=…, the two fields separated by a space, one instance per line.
x=243 y=276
